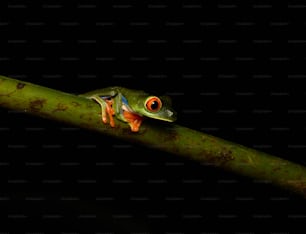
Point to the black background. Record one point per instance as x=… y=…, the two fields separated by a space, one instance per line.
x=233 y=70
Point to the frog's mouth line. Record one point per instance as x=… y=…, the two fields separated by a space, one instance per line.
x=167 y=120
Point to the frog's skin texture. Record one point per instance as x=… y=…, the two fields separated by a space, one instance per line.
x=131 y=106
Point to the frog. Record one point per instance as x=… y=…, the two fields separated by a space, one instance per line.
x=131 y=106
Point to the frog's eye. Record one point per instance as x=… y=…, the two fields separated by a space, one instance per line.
x=153 y=104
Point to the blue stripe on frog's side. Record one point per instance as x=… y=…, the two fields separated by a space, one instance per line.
x=125 y=104
x=124 y=100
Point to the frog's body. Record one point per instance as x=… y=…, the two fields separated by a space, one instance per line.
x=131 y=106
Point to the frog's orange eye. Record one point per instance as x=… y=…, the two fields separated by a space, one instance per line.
x=153 y=104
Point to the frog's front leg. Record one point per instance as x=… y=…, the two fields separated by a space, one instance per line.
x=106 y=108
x=133 y=119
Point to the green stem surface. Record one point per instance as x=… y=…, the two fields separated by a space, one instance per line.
x=168 y=137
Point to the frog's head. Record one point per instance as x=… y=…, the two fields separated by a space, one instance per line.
x=154 y=107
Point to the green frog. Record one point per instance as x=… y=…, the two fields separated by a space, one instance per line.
x=131 y=106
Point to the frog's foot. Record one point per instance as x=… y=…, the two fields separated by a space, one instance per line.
x=106 y=109
x=133 y=120
x=135 y=125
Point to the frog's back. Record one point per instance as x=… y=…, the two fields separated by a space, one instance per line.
x=108 y=91
x=130 y=92
x=114 y=90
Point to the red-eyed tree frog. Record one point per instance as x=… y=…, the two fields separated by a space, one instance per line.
x=131 y=106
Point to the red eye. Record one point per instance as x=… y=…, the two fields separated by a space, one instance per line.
x=153 y=104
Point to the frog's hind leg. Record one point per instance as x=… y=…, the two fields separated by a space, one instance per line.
x=106 y=109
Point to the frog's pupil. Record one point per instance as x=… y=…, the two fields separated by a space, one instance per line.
x=154 y=105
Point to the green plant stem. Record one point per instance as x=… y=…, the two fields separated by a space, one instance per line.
x=172 y=138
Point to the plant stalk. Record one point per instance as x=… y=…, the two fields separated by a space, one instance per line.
x=172 y=138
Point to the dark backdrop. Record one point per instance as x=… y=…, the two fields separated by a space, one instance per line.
x=233 y=70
